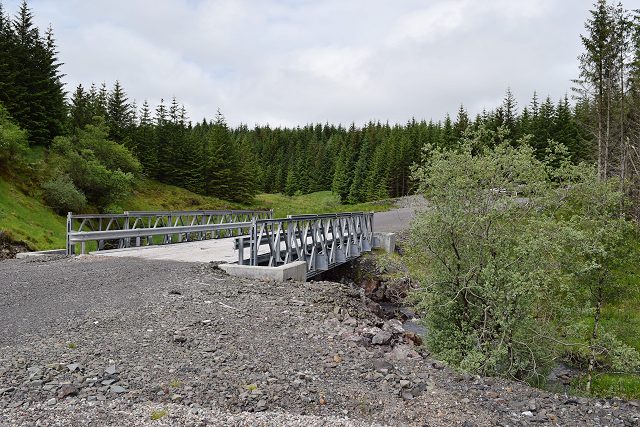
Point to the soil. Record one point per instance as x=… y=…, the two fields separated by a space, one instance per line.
x=9 y=248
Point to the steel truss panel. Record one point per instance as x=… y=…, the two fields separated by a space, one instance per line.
x=323 y=241
x=138 y=228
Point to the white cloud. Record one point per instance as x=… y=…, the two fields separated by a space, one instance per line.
x=298 y=61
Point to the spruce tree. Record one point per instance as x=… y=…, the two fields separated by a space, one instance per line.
x=118 y=117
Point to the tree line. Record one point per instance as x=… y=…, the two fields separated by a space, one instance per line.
x=599 y=124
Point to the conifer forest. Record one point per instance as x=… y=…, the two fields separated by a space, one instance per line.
x=597 y=120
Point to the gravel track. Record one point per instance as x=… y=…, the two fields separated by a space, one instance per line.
x=103 y=341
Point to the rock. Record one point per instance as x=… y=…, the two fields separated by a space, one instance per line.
x=527 y=414
x=407 y=395
x=117 y=389
x=6 y=390
x=413 y=338
x=179 y=339
x=351 y=322
x=67 y=390
x=261 y=406
x=394 y=326
x=402 y=352
x=72 y=367
x=381 y=338
x=382 y=366
x=370 y=332
x=51 y=401
x=418 y=389
x=111 y=370
x=405 y=383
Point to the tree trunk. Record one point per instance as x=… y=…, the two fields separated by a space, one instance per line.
x=594 y=337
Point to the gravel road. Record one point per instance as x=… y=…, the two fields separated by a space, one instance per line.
x=102 y=341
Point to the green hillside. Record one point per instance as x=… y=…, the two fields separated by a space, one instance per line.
x=26 y=219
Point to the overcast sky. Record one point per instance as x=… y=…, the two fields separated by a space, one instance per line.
x=290 y=62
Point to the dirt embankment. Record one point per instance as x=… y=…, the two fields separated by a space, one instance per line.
x=9 y=248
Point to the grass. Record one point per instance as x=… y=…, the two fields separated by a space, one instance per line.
x=156 y=415
x=314 y=203
x=153 y=196
x=27 y=220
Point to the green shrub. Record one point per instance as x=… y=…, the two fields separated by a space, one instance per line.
x=13 y=142
x=61 y=195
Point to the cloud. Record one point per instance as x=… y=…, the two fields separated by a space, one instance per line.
x=290 y=62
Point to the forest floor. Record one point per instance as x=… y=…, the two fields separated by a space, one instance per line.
x=95 y=341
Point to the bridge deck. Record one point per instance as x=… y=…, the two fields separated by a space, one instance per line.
x=218 y=250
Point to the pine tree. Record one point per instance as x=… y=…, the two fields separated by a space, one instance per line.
x=80 y=109
x=118 y=113
x=34 y=96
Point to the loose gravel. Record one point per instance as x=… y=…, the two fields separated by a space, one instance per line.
x=101 y=341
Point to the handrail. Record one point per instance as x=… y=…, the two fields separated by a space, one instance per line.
x=135 y=228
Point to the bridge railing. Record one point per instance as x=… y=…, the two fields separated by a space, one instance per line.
x=322 y=241
x=142 y=228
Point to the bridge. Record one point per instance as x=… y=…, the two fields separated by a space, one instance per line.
x=242 y=242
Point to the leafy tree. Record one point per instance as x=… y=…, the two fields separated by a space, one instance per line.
x=13 y=142
x=481 y=260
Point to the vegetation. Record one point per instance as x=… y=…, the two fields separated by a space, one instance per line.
x=27 y=220
x=518 y=257
x=319 y=202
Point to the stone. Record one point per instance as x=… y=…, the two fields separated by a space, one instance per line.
x=117 y=389
x=72 y=367
x=407 y=396
x=382 y=366
x=381 y=338
x=527 y=414
x=179 y=339
x=402 y=352
x=405 y=383
x=394 y=326
x=370 y=332
x=111 y=370
x=67 y=390
x=261 y=405
x=413 y=338
x=51 y=401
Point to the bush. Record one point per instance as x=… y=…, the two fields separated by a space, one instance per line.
x=13 y=141
x=61 y=195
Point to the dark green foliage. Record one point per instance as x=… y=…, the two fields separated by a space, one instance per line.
x=102 y=169
x=30 y=85
x=62 y=195
x=13 y=142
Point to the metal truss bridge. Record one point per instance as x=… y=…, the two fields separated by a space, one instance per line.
x=250 y=243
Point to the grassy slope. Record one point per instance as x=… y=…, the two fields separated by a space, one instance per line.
x=28 y=220
x=320 y=202
x=153 y=196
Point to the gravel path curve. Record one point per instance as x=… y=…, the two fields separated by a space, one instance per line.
x=101 y=341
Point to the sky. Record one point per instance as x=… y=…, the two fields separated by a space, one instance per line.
x=293 y=62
